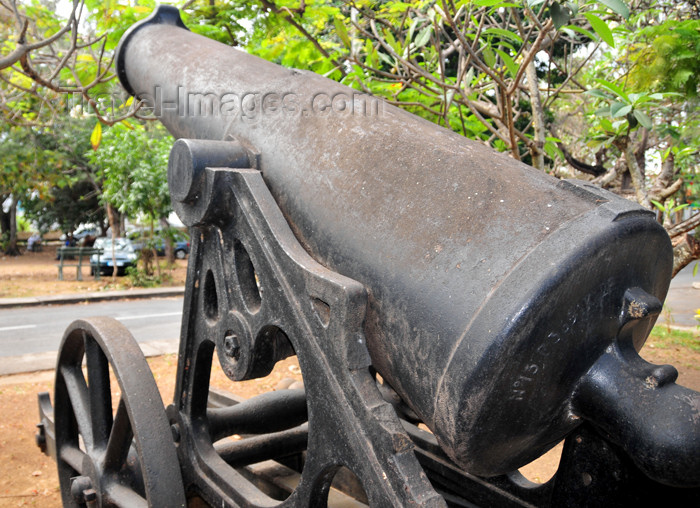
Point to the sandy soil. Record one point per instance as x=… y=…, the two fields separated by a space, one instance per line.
x=36 y=274
x=28 y=478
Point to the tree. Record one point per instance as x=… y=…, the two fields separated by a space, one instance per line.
x=523 y=77
x=48 y=62
x=67 y=206
x=577 y=88
x=25 y=171
x=132 y=161
x=642 y=122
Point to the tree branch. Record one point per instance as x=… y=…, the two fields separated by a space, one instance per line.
x=685 y=226
x=685 y=250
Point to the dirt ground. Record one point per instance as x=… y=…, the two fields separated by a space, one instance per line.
x=28 y=478
x=36 y=274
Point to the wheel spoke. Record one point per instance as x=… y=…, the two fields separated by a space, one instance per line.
x=119 y=440
x=72 y=456
x=100 y=392
x=122 y=496
x=78 y=394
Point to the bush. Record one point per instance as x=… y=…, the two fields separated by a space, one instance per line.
x=140 y=278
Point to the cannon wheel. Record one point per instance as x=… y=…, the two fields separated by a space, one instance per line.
x=121 y=458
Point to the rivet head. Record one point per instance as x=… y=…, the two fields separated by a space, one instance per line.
x=232 y=346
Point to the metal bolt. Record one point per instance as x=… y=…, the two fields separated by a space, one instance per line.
x=90 y=497
x=79 y=485
x=587 y=479
x=232 y=346
x=175 y=429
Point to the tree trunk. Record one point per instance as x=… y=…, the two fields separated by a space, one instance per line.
x=635 y=171
x=155 y=252
x=4 y=217
x=169 y=250
x=537 y=149
x=114 y=227
x=114 y=218
x=12 y=249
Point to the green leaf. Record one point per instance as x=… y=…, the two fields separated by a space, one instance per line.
x=613 y=88
x=643 y=119
x=618 y=109
x=597 y=93
x=342 y=32
x=391 y=40
x=507 y=34
x=617 y=6
x=607 y=125
x=489 y=56
x=469 y=76
x=423 y=36
x=695 y=269
x=601 y=28
x=386 y=59
x=412 y=29
x=635 y=98
x=487 y=3
x=561 y=15
x=582 y=31
x=508 y=62
x=96 y=136
x=552 y=150
x=658 y=205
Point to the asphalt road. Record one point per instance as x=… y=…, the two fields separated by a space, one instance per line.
x=683 y=298
x=30 y=336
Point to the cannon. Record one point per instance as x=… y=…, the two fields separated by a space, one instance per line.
x=454 y=312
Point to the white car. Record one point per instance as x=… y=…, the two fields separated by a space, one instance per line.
x=123 y=252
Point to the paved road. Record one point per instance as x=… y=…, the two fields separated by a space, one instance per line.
x=30 y=336
x=683 y=299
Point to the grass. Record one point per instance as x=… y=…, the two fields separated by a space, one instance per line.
x=662 y=337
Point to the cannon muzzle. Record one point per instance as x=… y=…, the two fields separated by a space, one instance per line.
x=505 y=307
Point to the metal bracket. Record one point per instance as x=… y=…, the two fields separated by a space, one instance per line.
x=255 y=296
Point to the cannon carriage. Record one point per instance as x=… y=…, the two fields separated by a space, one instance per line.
x=418 y=277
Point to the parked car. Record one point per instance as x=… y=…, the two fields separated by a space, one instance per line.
x=123 y=252
x=81 y=233
x=181 y=245
x=182 y=248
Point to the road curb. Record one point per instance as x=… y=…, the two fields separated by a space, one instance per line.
x=31 y=301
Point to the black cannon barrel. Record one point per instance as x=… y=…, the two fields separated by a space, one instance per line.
x=504 y=304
